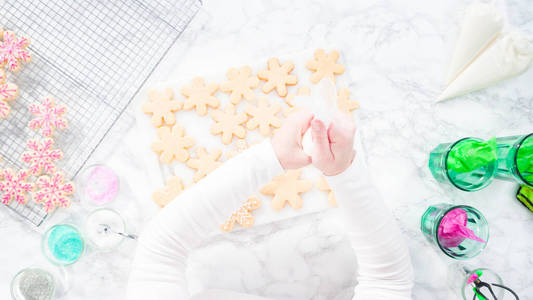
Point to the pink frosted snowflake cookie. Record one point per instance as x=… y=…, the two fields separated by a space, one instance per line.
x=41 y=156
x=14 y=186
x=8 y=91
x=48 y=117
x=13 y=51
x=53 y=191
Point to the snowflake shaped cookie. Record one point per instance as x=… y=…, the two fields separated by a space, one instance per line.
x=53 y=191
x=41 y=156
x=200 y=95
x=243 y=216
x=263 y=116
x=277 y=77
x=205 y=162
x=172 y=189
x=323 y=185
x=14 y=186
x=239 y=146
x=228 y=123
x=48 y=117
x=8 y=92
x=240 y=84
x=172 y=144
x=324 y=65
x=162 y=107
x=287 y=188
x=302 y=91
x=13 y=51
x=344 y=103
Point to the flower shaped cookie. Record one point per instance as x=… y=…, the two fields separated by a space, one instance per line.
x=172 y=144
x=172 y=189
x=14 y=186
x=243 y=216
x=200 y=95
x=287 y=188
x=228 y=124
x=48 y=117
x=8 y=92
x=53 y=192
x=162 y=107
x=263 y=116
x=13 y=51
x=240 y=84
x=277 y=77
x=41 y=156
x=324 y=66
x=205 y=162
x=344 y=103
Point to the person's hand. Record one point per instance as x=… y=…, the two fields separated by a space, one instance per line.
x=333 y=149
x=287 y=142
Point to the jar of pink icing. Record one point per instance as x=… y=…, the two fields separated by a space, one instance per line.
x=98 y=184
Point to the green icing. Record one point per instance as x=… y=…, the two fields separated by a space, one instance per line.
x=469 y=155
x=524 y=159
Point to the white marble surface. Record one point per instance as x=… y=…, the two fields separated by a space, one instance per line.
x=397 y=53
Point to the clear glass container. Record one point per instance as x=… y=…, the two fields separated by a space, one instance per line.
x=63 y=244
x=102 y=227
x=515 y=159
x=98 y=185
x=33 y=283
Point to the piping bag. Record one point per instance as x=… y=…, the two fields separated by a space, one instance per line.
x=322 y=104
x=453 y=230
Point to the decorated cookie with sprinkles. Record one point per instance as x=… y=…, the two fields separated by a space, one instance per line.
x=41 y=157
x=13 y=186
x=53 y=191
x=13 y=51
x=8 y=92
x=242 y=216
x=48 y=117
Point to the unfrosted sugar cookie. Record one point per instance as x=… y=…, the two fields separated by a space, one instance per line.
x=172 y=144
x=240 y=84
x=344 y=103
x=323 y=185
x=228 y=124
x=324 y=65
x=14 y=186
x=263 y=116
x=242 y=216
x=302 y=91
x=174 y=186
x=287 y=188
x=277 y=77
x=161 y=105
x=204 y=163
x=48 y=117
x=13 y=51
x=200 y=95
x=8 y=92
x=239 y=146
x=41 y=157
x=53 y=191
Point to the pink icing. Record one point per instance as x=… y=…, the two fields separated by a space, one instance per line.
x=8 y=91
x=53 y=191
x=101 y=185
x=13 y=51
x=453 y=230
x=48 y=117
x=14 y=186
x=41 y=156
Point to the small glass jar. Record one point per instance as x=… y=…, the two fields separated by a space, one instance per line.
x=474 y=180
x=102 y=227
x=98 y=185
x=515 y=159
x=460 y=278
x=455 y=247
x=33 y=283
x=63 y=244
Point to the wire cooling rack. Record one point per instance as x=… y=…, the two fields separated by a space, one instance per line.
x=91 y=55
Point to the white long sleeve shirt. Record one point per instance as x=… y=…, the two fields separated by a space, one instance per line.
x=158 y=270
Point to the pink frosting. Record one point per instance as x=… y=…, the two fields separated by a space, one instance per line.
x=101 y=185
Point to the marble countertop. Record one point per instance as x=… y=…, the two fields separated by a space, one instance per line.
x=397 y=53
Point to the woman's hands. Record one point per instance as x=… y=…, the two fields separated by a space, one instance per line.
x=333 y=147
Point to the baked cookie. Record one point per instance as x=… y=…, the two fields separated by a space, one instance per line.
x=204 y=163
x=162 y=107
x=240 y=84
x=243 y=216
x=199 y=95
x=263 y=116
x=324 y=66
x=302 y=91
x=228 y=124
x=13 y=51
x=48 y=117
x=239 y=147
x=172 y=144
x=53 y=192
x=172 y=189
x=8 y=92
x=277 y=77
x=287 y=188
x=41 y=156
x=290 y=110
x=344 y=103
x=13 y=186
x=323 y=185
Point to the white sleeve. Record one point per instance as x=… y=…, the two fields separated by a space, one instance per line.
x=158 y=269
x=384 y=264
